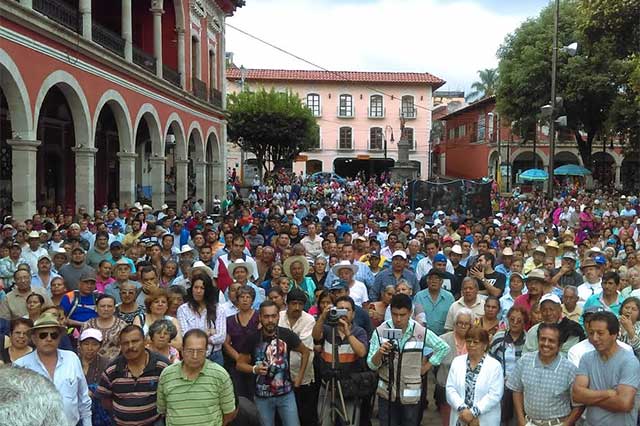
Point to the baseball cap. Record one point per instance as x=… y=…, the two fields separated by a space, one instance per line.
x=550 y=297
x=507 y=251
x=338 y=285
x=91 y=333
x=570 y=255
x=540 y=249
x=400 y=253
x=78 y=249
x=88 y=275
x=456 y=249
x=536 y=274
x=439 y=258
x=115 y=244
x=600 y=260
x=374 y=253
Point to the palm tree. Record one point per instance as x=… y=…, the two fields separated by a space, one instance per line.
x=486 y=86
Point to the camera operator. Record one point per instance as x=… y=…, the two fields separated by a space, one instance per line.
x=351 y=350
x=412 y=356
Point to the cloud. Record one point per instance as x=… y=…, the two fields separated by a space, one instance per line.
x=452 y=39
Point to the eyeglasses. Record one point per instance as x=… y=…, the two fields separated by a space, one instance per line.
x=193 y=352
x=52 y=334
x=463 y=324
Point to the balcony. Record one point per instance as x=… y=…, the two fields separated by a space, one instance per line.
x=59 y=12
x=215 y=98
x=199 y=88
x=108 y=39
x=171 y=75
x=144 y=59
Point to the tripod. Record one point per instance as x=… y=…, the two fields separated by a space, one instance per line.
x=391 y=380
x=336 y=405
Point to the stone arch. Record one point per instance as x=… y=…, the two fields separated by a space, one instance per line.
x=174 y=123
x=492 y=166
x=197 y=160
x=179 y=12
x=196 y=131
x=543 y=158
x=566 y=157
x=176 y=161
x=216 y=149
x=118 y=105
x=215 y=166
x=149 y=113
x=78 y=104
x=15 y=91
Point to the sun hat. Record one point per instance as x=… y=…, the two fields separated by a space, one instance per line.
x=286 y=266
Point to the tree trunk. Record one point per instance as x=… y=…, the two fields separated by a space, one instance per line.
x=584 y=148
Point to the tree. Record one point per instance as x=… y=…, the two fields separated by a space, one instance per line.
x=274 y=126
x=589 y=83
x=486 y=86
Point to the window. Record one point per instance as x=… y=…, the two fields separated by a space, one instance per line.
x=408 y=107
x=376 y=107
x=376 y=138
x=461 y=130
x=346 y=138
x=313 y=103
x=408 y=135
x=481 y=128
x=490 y=130
x=345 y=108
x=318 y=141
x=452 y=133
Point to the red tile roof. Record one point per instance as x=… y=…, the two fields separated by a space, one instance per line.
x=338 y=76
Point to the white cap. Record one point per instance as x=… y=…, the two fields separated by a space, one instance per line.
x=185 y=249
x=550 y=297
x=91 y=333
x=400 y=253
x=456 y=249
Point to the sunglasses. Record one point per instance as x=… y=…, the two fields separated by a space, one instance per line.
x=52 y=334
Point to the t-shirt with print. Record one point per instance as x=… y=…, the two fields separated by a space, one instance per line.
x=621 y=369
x=274 y=353
x=497 y=279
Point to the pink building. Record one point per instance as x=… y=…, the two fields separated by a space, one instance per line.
x=358 y=114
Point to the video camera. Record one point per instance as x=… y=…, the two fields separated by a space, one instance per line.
x=334 y=316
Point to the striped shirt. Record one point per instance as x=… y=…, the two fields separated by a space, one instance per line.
x=134 y=398
x=202 y=401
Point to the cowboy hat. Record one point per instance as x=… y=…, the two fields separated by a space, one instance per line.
x=47 y=320
x=239 y=263
x=286 y=266
x=200 y=266
x=344 y=264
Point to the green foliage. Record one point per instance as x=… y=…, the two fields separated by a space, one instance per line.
x=484 y=87
x=596 y=84
x=274 y=126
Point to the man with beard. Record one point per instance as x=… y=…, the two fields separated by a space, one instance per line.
x=129 y=384
x=266 y=355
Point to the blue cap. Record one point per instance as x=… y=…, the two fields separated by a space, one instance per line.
x=338 y=284
x=439 y=258
x=611 y=241
x=469 y=239
x=600 y=260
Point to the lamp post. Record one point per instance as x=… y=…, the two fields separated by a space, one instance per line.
x=387 y=127
x=554 y=73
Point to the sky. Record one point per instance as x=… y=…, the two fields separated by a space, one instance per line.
x=451 y=39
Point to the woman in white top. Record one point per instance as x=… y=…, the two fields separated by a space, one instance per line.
x=475 y=383
x=202 y=311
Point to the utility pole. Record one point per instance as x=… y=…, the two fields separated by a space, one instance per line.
x=552 y=118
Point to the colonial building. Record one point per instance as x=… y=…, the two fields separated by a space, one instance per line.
x=358 y=114
x=477 y=132
x=110 y=102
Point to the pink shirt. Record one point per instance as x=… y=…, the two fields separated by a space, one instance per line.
x=100 y=284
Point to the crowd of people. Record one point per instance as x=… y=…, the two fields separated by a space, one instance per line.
x=311 y=302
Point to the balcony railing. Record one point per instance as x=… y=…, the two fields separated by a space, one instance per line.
x=60 y=12
x=199 y=88
x=108 y=39
x=215 y=98
x=171 y=75
x=144 y=59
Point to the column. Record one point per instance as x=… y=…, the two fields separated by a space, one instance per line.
x=618 y=182
x=23 y=178
x=182 y=183
x=181 y=58
x=218 y=184
x=127 y=32
x=85 y=176
x=127 y=164
x=85 y=12
x=157 y=180
x=156 y=10
x=200 y=168
x=28 y=4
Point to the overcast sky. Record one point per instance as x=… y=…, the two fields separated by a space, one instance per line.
x=449 y=38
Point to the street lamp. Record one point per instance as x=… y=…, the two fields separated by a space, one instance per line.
x=243 y=77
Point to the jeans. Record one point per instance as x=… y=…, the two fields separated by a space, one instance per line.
x=285 y=405
x=401 y=415
x=216 y=356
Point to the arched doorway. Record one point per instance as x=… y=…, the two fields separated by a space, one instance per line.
x=107 y=171
x=150 y=161
x=603 y=169
x=524 y=161
x=197 y=167
x=565 y=157
x=493 y=166
x=144 y=187
x=55 y=158
x=215 y=170
x=6 y=133
x=313 y=166
x=630 y=173
x=176 y=162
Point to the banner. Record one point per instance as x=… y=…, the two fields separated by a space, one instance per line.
x=462 y=194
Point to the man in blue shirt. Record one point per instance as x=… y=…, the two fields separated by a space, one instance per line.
x=434 y=301
x=80 y=305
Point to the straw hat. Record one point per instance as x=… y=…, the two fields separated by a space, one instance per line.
x=292 y=259
x=239 y=263
x=47 y=320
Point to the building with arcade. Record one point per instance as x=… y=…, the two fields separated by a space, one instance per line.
x=109 y=102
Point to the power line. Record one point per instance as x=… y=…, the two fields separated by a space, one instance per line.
x=337 y=73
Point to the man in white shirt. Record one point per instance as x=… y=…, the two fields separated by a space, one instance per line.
x=33 y=251
x=345 y=270
x=592 y=273
x=63 y=368
x=312 y=242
